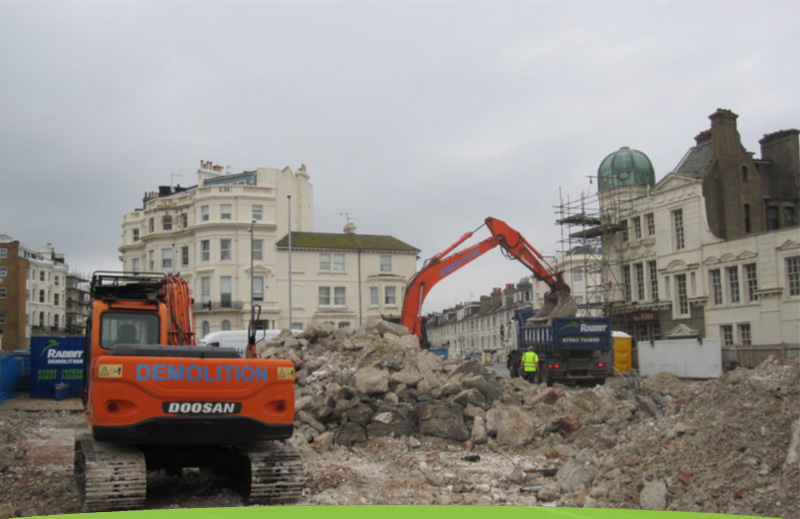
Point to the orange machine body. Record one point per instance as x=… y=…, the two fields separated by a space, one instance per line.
x=153 y=385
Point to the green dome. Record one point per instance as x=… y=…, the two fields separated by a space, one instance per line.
x=626 y=168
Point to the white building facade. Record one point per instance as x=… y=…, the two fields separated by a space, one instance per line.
x=221 y=236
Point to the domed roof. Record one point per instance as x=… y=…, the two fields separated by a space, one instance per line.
x=626 y=168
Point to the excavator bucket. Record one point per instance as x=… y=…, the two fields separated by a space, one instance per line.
x=557 y=303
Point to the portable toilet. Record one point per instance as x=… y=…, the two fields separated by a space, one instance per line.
x=623 y=352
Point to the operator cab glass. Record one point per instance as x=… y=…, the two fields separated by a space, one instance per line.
x=128 y=328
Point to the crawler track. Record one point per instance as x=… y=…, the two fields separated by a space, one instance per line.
x=109 y=476
x=277 y=474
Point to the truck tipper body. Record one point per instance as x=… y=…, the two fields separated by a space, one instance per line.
x=569 y=348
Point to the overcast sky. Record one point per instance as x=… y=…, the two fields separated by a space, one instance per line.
x=417 y=118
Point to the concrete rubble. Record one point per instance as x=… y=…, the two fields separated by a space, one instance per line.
x=379 y=421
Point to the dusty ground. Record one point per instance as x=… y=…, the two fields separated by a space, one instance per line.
x=726 y=446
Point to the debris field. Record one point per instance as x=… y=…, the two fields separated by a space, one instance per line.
x=381 y=422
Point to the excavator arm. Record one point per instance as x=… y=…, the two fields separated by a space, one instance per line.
x=558 y=301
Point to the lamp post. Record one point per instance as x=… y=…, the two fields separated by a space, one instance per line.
x=252 y=228
x=289 y=200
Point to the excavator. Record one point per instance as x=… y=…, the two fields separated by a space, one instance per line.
x=558 y=301
x=155 y=401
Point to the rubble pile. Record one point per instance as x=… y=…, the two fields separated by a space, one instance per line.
x=728 y=445
x=380 y=421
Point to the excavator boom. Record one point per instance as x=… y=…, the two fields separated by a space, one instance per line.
x=558 y=301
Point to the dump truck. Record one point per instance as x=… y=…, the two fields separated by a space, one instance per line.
x=570 y=349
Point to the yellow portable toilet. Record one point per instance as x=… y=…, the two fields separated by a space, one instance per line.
x=623 y=352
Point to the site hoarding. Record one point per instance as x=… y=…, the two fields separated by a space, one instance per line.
x=57 y=367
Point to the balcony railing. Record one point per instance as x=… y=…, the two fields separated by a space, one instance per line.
x=211 y=306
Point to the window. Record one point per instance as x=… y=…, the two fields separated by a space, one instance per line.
x=225 y=249
x=772 y=218
x=225 y=211
x=339 y=296
x=324 y=296
x=3 y=252
x=677 y=226
x=577 y=275
x=166 y=222
x=226 y=325
x=726 y=333
x=205 y=291
x=390 y=295
x=41 y=275
x=41 y=296
x=733 y=283
x=135 y=267
x=716 y=286
x=789 y=216
x=3 y=271
x=258 y=250
x=793 y=275
x=205 y=250
x=373 y=296
x=57 y=280
x=343 y=324
x=639 y=281
x=625 y=231
x=135 y=235
x=56 y=299
x=41 y=319
x=257 y=212
x=225 y=291
x=2 y=318
x=744 y=174
x=338 y=262
x=650 y=220
x=637 y=228
x=258 y=288
x=744 y=334
x=151 y=224
x=747 y=218
x=206 y=327
x=55 y=321
x=185 y=256
x=204 y=213
x=324 y=261
x=626 y=283
x=151 y=260
x=386 y=263
x=3 y=292
x=751 y=279
x=184 y=220
x=166 y=258
x=683 y=296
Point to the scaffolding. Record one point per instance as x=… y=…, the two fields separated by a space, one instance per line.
x=589 y=224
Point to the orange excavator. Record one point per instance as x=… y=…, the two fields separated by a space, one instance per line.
x=156 y=401
x=558 y=300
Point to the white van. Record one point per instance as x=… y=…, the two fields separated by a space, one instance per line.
x=236 y=339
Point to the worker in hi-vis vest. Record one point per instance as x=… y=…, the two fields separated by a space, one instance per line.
x=529 y=365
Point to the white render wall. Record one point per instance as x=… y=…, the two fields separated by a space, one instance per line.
x=272 y=192
x=773 y=318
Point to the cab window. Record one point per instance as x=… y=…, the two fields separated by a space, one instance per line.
x=125 y=328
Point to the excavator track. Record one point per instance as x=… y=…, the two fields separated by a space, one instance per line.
x=109 y=476
x=277 y=474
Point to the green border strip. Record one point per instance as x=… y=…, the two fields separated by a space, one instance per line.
x=401 y=512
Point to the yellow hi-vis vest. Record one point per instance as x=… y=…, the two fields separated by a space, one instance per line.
x=529 y=361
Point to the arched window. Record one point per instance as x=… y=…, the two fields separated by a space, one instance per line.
x=206 y=328
x=226 y=325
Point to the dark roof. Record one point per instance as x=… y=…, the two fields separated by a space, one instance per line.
x=319 y=240
x=697 y=160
